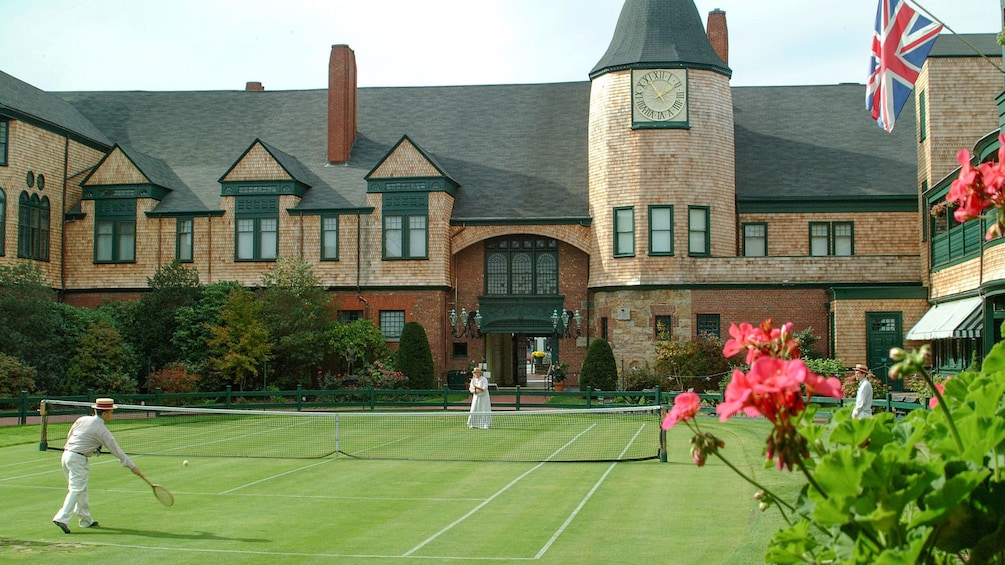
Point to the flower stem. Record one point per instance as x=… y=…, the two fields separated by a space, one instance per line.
x=752 y=481
x=945 y=409
x=809 y=477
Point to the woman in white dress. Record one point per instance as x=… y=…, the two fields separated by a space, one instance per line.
x=481 y=407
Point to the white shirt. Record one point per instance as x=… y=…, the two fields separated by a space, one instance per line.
x=863 y=400
x=89 y=433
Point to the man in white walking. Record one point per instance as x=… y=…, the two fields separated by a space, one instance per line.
x=863 y=399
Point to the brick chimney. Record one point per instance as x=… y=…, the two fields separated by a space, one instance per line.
x=254 y=87
x=341 y=103
x=718 y=35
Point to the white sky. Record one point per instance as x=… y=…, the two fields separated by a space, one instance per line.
x=60 y=45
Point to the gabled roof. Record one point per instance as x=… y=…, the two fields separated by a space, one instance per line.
x=664 y=33
x=25 y=102
x=429 y=159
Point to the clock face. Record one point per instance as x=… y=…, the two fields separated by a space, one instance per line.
x=659 y=95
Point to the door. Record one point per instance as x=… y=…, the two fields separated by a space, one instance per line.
x=883 y=331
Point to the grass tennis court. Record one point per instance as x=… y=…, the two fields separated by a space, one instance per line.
x=254 y=510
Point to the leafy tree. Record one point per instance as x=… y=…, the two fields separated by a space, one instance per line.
x=363 y=338
x=415 y=358
x=172 y=287
x=15 y=376
x=297 y=313
x=101 y=362
x=600 y=370
x=174 y=378
x=240 y=343
x=696 y=364
x=192 y=328
x=37 y=330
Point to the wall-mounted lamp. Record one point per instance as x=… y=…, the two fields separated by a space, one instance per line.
x=560 y=323
x=465 y=325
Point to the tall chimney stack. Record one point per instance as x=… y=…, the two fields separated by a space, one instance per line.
x=718 y=35
x=341 y=103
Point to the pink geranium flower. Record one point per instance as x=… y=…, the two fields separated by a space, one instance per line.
x=685 y=406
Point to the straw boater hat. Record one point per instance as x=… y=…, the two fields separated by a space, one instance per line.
x=860 y=368
x=477 y=370
x=104 y=404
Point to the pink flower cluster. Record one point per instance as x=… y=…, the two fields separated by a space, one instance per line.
x=761 y=340
x=777 y=386
x=978 y=189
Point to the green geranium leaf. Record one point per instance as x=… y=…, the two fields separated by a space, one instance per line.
x=995 y=361
x=947 y=495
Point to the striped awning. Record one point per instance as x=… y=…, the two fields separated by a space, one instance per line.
x=962 y=318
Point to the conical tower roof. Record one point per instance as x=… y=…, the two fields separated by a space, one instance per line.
x=660 y=33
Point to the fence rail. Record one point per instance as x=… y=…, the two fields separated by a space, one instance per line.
x=20 y=410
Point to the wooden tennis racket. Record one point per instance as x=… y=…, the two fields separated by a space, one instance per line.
x=163 y=495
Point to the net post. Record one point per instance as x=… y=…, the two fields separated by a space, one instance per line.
x=663 y=435
x=43 y=411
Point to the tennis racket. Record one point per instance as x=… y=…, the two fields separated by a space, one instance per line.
x=163 y=495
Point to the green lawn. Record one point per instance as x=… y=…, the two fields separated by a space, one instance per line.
x=352 y=511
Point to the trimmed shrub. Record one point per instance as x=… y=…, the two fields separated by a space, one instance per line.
x=415 y=358
x=600 y=370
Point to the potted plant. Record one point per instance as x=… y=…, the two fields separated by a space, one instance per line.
x=538 y=357
x=557 y=372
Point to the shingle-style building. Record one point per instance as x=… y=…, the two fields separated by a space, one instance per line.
x=652 y=192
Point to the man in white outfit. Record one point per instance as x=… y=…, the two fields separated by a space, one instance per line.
x=863 y=399
x=86 y=436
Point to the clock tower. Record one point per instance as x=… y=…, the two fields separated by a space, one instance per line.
x=661 y=155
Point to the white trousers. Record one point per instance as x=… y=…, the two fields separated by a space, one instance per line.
x=77 y=471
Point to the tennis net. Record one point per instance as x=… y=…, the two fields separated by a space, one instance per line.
x=596 y=434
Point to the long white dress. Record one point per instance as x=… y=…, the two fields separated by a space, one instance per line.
x=481 y=406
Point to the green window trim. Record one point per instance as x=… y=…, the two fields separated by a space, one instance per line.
x=256 y=227
x=624 y=231
x=329 y=238
x=33 y=227
x=391 y=324
x=405 y=237
x=708 y=324
x=4 y=140
x=755 y=239
x=521 y=265
x=698 y=232
x=662 y=327
x=922 y=116
x=831 y=239
x=184 y=232
x=3 y=223
x=115 y=230
x=661 y=230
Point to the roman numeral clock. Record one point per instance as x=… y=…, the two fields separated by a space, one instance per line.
x=659 y=98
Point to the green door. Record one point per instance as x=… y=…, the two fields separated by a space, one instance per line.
x=884 y=330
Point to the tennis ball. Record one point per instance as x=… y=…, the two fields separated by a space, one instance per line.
x=185 y=462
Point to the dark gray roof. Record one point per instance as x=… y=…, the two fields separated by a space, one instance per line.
x=510 y=147
x=26 y=102
x=517 y=151
x=157 y=172
x=956 y=45
x=666 y=33
x=806 y=141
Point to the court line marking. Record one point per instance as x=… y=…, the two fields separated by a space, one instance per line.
x=586 y=499
x=494 y=496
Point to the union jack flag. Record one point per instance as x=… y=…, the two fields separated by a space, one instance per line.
x=900 y=46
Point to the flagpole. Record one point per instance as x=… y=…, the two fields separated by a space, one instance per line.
x=963 y=39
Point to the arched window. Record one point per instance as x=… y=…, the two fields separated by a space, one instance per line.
x=521 y=265
x=33 y=227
